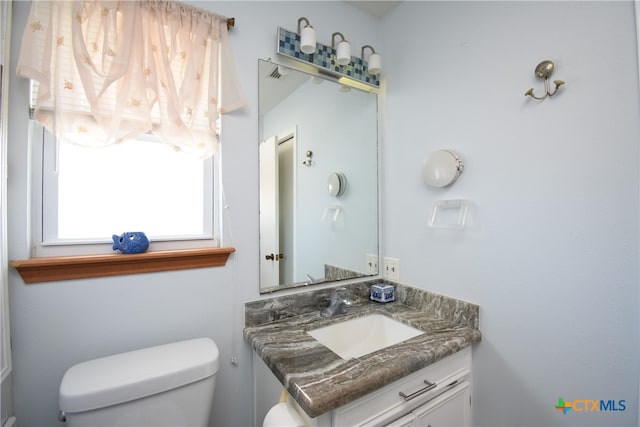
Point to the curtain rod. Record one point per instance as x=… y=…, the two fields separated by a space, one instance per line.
x=231 y=22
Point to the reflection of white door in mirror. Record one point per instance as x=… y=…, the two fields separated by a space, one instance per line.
x=340 y=130
x=286 y=208
x=269 y=241
x=277 y=213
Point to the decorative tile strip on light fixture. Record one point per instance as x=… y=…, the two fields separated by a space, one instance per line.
x=324 y=58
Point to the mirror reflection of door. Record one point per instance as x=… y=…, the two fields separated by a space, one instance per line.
x=277 y=209
x=269 y=242
x=286 y=169
x=340 y=128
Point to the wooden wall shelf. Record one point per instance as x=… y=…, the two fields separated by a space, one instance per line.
x=82 y=267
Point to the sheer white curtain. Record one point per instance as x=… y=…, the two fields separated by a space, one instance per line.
x=109 y=71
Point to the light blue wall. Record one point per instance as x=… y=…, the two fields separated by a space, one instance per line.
x=58 y=324
x=551 y=251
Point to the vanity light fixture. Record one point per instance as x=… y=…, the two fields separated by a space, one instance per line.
x=374 y=60
x=346 y=81
x=307 y=36
x=343 y=50
x=544 y=70
x=328 y=59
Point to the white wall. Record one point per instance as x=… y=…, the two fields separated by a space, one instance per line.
x=56 y=325
x=551 y=253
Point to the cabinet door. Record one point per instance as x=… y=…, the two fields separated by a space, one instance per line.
x=380 y=407
x=451 y=409
x=408 y=420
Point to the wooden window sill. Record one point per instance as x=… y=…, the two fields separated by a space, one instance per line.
x=82 y=267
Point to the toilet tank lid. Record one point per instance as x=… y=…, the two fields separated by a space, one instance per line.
x=124 y=377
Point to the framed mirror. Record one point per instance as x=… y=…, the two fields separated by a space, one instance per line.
x=318 y=179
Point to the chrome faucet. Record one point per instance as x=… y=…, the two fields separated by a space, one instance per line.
x=337 y=305
x=312 y=280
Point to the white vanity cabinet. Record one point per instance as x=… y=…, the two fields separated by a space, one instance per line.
x=451 y=409
x=436 y=396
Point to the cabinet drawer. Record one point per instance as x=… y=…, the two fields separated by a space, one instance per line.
x=402 y=396
x=451 y=409
x=408 y=420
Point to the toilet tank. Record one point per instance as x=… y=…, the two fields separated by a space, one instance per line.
x=167 y=385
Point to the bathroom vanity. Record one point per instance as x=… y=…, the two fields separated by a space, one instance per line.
x=422 y=380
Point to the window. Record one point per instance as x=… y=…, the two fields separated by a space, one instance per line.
x=107 y=73
x=84 y=195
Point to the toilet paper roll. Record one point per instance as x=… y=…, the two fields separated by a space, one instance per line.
x=283 y=415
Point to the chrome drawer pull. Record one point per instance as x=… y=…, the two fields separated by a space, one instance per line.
x=430 y=386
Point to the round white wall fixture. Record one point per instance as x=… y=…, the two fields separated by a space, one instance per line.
x=441 y=168
x=337 y=184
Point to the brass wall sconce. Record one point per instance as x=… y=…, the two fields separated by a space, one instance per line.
x=544 y=70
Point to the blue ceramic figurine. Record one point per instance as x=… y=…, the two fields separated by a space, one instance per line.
x=133 y=242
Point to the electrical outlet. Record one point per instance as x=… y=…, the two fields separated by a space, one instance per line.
x=372 y=264
x=391 y=268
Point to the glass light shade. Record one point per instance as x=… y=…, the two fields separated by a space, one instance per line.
x=343 y=53
x=374 y=63
x=441 y=168
x=308 y=39
x=337 y=184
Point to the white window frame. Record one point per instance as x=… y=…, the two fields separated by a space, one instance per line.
x=42 y=140
x=5 y=329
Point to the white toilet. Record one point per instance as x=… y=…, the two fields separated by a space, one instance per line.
x=168 y=385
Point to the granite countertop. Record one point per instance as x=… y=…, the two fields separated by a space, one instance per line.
x=317 y=378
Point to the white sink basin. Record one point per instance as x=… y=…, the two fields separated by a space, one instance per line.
x=363 y=335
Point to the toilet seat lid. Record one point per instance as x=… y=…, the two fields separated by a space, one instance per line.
x=133 y=375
